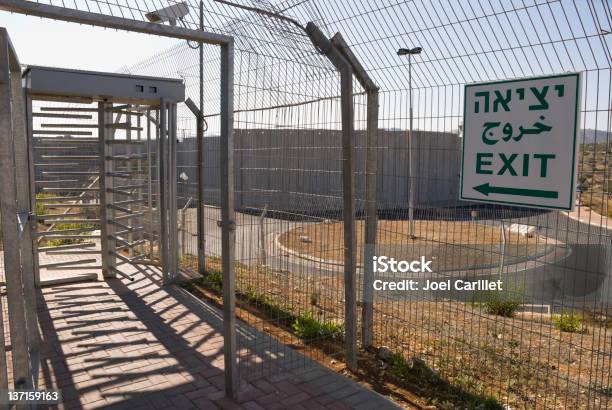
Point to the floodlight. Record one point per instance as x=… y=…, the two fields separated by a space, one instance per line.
x=405 y=51
x=169 y=14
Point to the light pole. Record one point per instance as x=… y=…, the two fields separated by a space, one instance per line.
x=411 y=163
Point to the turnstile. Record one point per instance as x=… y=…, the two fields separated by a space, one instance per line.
x=104 y=150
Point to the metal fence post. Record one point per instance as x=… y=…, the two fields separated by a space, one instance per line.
x=200 y=205
x=262 y=257
x=105 y=213
x=163 y=189
x=348 y=215
x=367 y=318
x=371 y=209
x=173 y=248
x=22 y=179
x=200 y=136
x=3 y=372
x=348 y=188
x=183 y=232
x=228 y=224
x=10 y=226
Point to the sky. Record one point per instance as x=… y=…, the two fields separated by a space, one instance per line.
x=557 y=40
x=59 y=44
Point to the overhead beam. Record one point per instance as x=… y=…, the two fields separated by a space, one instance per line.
x=119 y=23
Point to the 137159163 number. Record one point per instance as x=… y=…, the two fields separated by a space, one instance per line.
x=30 y=396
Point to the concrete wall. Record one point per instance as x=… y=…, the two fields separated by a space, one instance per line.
x=300 y=170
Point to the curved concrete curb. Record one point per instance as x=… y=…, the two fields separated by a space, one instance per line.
x=305 y=255
x=330 y=262
x=592 y=220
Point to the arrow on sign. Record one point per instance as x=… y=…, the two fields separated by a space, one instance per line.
x=487 y=189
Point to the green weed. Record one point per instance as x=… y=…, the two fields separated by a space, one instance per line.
x=568 y=322
x=308 y=328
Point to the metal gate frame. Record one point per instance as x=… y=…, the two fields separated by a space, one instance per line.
x=226 y=69
x=18 y=225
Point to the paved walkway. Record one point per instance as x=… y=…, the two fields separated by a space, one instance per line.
x=138 y=345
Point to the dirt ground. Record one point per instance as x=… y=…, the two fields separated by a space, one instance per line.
x=325 y=240
x=523 y=361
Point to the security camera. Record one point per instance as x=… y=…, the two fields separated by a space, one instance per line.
x=169 y=14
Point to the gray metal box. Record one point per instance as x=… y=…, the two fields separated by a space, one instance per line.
x=53 y=83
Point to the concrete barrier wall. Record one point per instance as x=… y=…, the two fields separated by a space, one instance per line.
x=300 y=170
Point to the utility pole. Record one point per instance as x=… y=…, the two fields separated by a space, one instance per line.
x=411 y=157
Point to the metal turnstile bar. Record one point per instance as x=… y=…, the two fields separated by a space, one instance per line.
x=49 y=237
x=64 y=231
x=126 y=227
x=131 y=230
x=63 y=263
x=62 y=215
x=54 y=205
x=124 y=111
x=126 y=157
x=56 y=181
x=68 y=220
x=125 y=258
x=126 y=175
x=120 y=192
x=125 y=142
x=69 y=125
x=65 y=198
x=69 y=109
x=61 y=140
x=45 y=148
x=123 y=126
x=70 y=189
x=130 y=201
x=61 y=132
x=53 y=115
x=69 y=246
x=71 y=157
x=120 y=273
x=69 y=173
x=126 y=244
x=68 y=252
x=57 y=165
x=129 y=215
x=124 y=187
x=75 y=267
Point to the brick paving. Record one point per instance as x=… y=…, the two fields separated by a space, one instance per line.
x=121 y=344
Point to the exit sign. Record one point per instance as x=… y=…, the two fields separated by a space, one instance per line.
x=520 y=141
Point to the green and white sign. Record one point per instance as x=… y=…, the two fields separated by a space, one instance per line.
x=520 y=141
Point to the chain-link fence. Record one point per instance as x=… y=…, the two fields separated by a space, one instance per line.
x=547 y=342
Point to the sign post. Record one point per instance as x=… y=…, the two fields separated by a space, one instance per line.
x=520 y=141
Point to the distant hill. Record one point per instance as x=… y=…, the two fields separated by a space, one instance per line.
x=589 y=136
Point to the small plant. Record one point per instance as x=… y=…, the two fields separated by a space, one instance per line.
x=569 y=322
x=214 y=281
x=308 y=328
x=466 y=392
x=315 y=296
x=469 y=383
x=500 y=307
x=400 y=367
x=40 y=206
x=65 y=226
x=504 y=304
x=605 y=390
